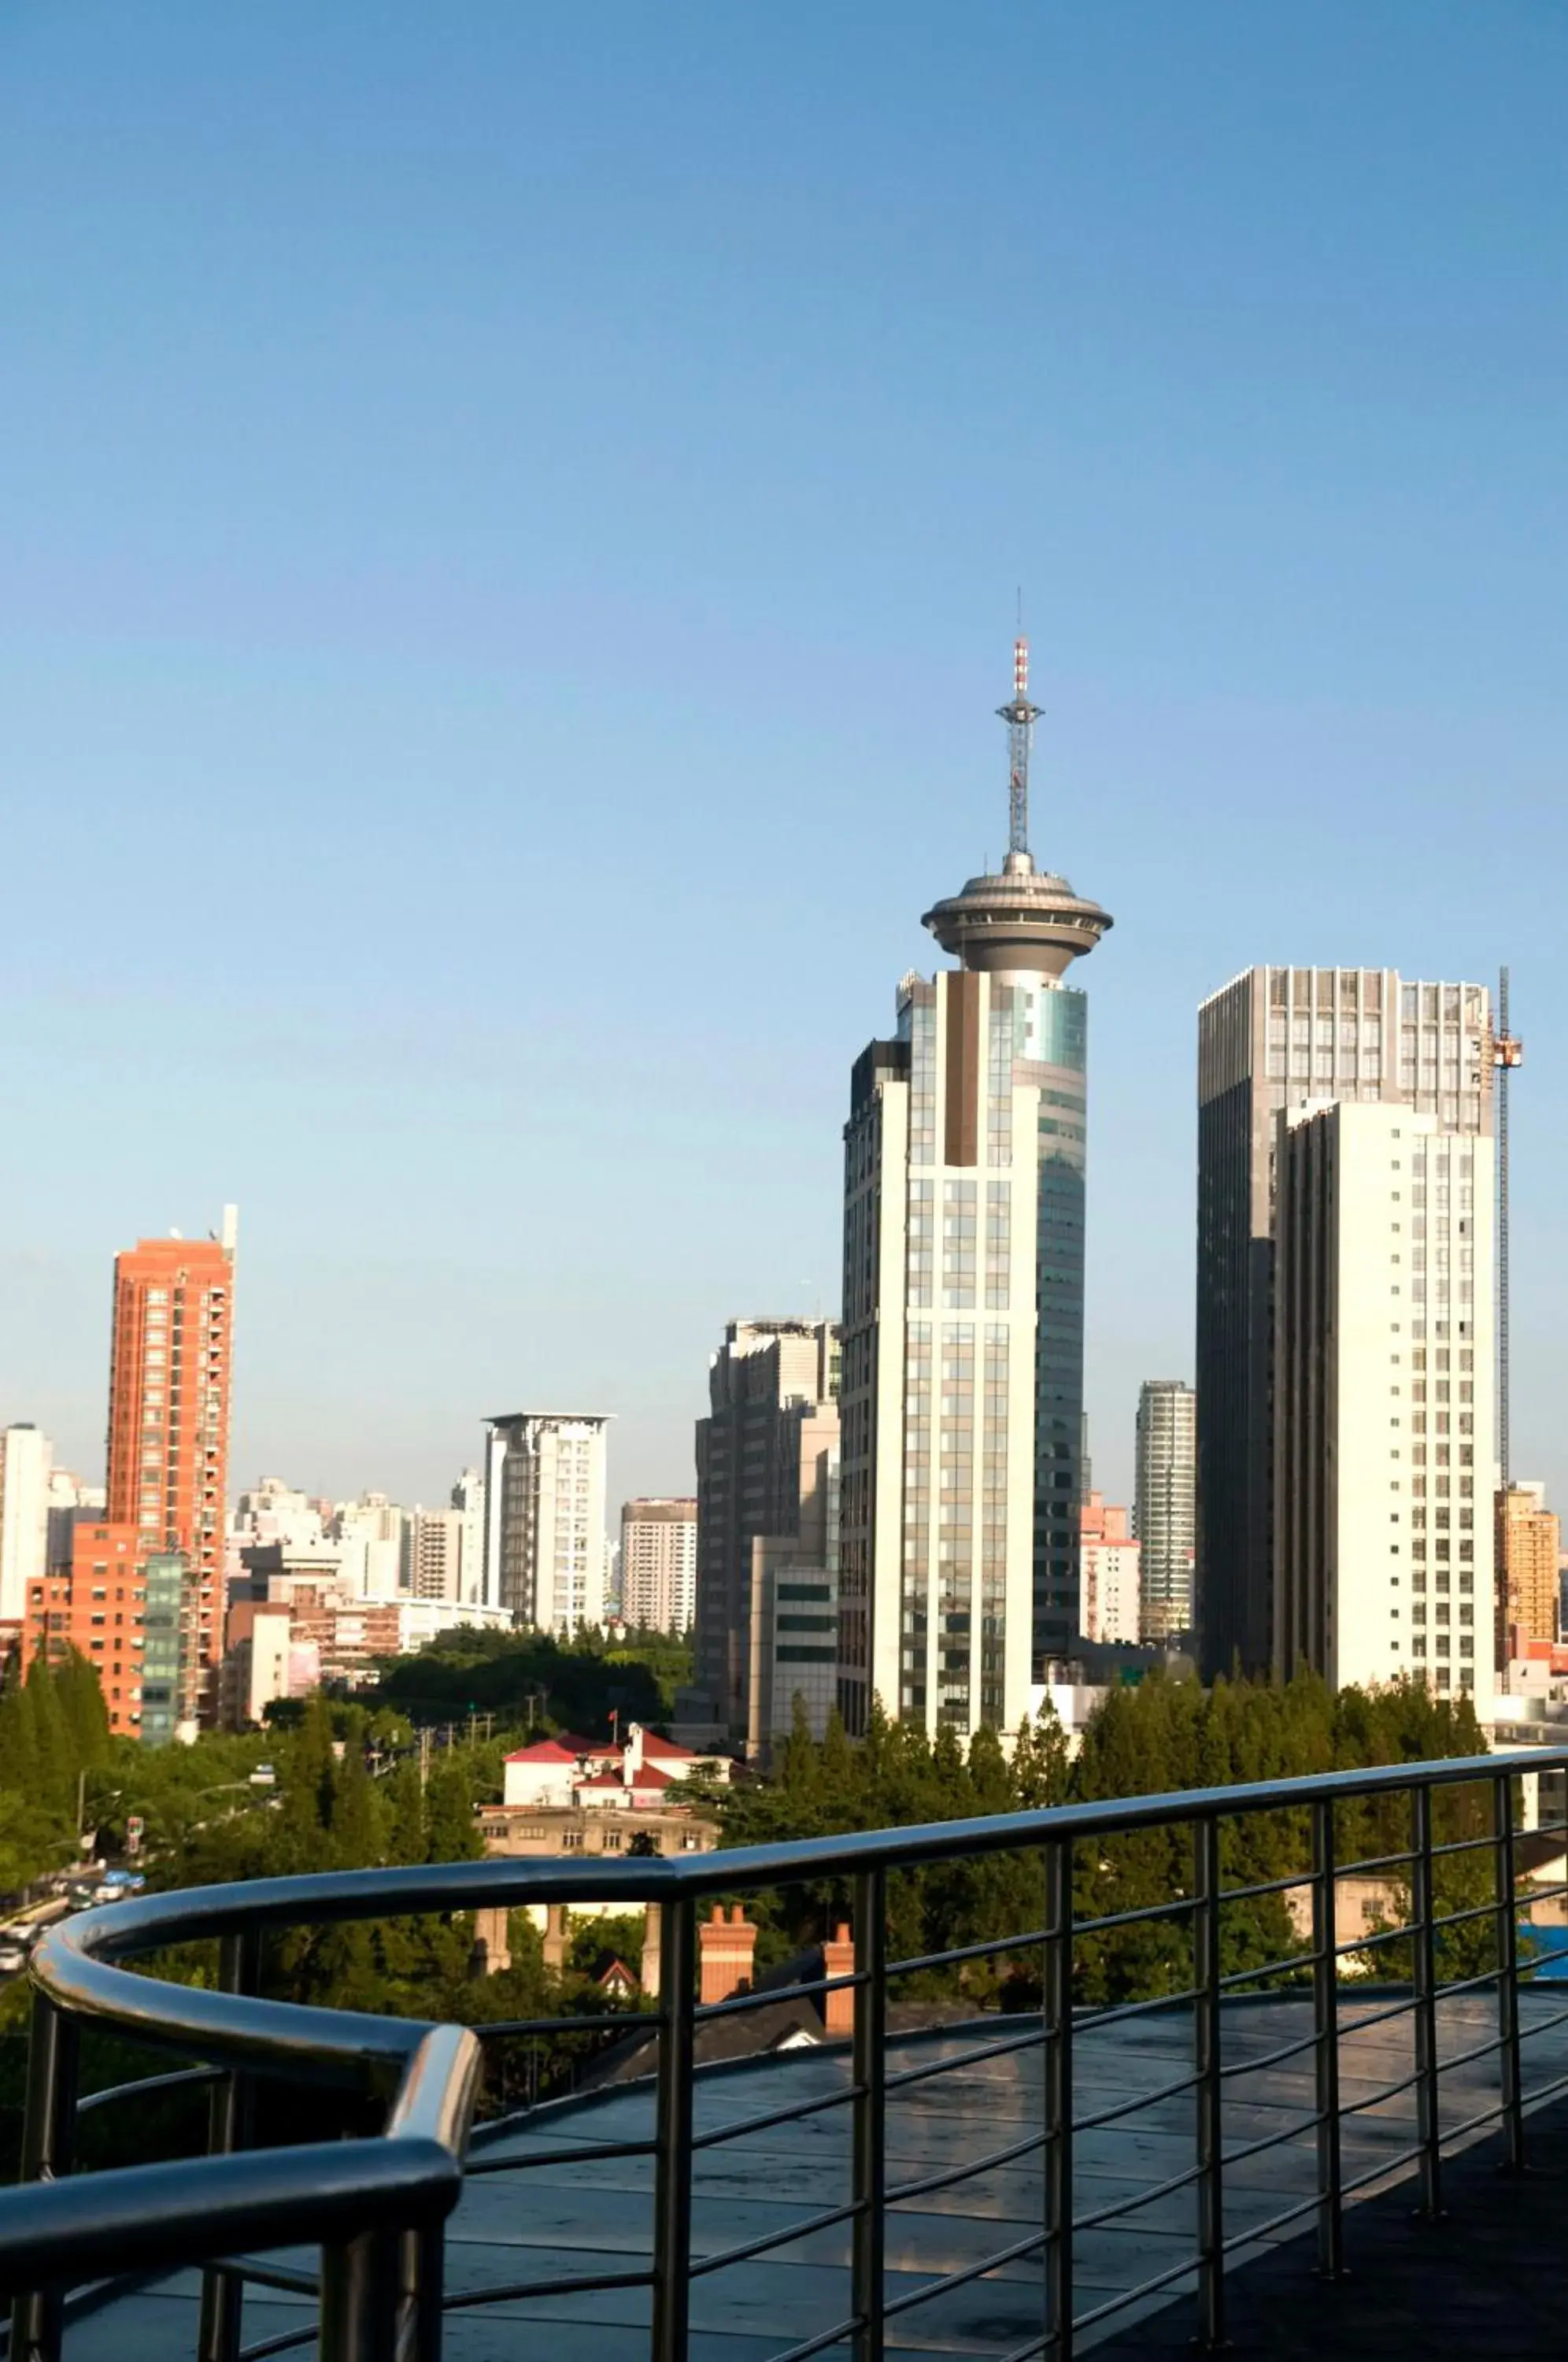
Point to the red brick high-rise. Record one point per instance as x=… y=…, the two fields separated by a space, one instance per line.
x=169 y=1405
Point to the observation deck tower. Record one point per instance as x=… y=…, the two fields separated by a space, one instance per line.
x=1020 y=921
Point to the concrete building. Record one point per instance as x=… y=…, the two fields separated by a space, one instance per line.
x=545 y=1491
x=794 y=1630
x=1384 y=1399
x=965 y=1159
x=1272 y=1038
x=468 y=1499
x=168 y=1416
x=1164 y=1505
x=259 y=1664
x=25 y=1468
x=370 y=1536
x=1109 y=1572
x=1529 y=1545
x=71 y=1503
x=435 y=1555
x=99 y=1606
x=659 y=1565
x=763 y=1472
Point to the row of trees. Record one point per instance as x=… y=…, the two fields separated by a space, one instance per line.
x=1156 y=1736
x=536 y=1681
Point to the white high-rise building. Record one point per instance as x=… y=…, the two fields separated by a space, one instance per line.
x=545 y=1491
x=1164 y=1505
x=1384 y=1412
x=372 y=1538
x=659 y=1565
x=962 y=1391
x=467 y=1498
x=25 y=1458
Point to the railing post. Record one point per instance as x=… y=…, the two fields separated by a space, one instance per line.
x=672 y=2182
x=1058 y=2071
x=1428 y=2133
x=361 y=2286
x=229 y=2127
x=1325 y=2043
x=47 y=2140
x=1508 y=1975
x=1210 y=2139
x=870 y=2066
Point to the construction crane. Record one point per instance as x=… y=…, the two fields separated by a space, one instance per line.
x=1508 y=1052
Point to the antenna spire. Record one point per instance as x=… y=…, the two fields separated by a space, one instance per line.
x=1021 y=718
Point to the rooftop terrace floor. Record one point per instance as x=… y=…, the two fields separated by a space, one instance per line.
x=1473 y=2282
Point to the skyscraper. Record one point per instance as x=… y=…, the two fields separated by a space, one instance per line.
x=1164 y=1505
x=659 y=1565
x=544 y=1482
x=1384 y=1398
x=1270 y=1038
x=169 y=1412
x=963 y=1303
x=25 y=1458
x=765 y=1458
x=1528 y=1540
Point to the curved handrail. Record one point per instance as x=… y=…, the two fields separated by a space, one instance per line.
x=76 y=1963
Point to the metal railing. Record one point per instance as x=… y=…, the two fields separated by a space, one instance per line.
x=376 y=2206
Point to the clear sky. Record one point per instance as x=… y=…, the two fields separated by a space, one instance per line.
x=509 y=525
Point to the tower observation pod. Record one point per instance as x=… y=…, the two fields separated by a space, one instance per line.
x=1021 y=920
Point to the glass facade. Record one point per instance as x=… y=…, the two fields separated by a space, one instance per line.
x=1059 y=1045
x=163 y=1656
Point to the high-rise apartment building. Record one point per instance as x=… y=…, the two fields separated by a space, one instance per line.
x=1108 y=1577
x=545 y=1487
x=434 y=1542
x=168 y=1415
x=1384 y=1394
x=468 y=1499
x=25 y=1468
x=1272 y=1038
x=98 y=1604
x=659 y=1565
x=1529 y=1545
x=964 y=1306
x=1164 y=1505
x=767 y=1461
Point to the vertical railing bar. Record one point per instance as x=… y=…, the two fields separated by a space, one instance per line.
x=230 y=2127
x=870 y=2065
x=1058 y=2096
x=48 y=2142
x=672 y=2182
x=1424 y=2015
x=1326 y=2046
x=362 y=2289
x=1211 y=2141
x=1509 y=1975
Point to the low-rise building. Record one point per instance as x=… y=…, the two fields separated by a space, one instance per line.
x=1110 y=1587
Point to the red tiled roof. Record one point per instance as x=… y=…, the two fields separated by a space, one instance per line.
x=666 y=1749
x=569 y=1747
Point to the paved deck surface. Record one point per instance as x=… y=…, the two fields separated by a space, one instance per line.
x=1469 y=2279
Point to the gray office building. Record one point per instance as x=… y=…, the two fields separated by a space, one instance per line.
x=1276 y=1037
x=1165 y=1507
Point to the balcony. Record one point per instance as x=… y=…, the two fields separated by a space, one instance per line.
x=1320 y=2152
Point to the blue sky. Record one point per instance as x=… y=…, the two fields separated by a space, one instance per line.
x=509 y=527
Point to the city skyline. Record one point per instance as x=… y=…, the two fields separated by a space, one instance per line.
x=1261 y=461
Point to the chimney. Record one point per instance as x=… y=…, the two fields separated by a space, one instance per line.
x=726 y=1947
x=838 y=1960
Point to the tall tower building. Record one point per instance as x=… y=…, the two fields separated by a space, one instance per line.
x=659 y=1565
x=963 y=1303
x=545 y=1484
x=766 y=1454
x=170 y=1377
x=1272 y=1038
x=1529 y=1542
x=1384 y=1398
x=25 y=1470
x=1164 y=1505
